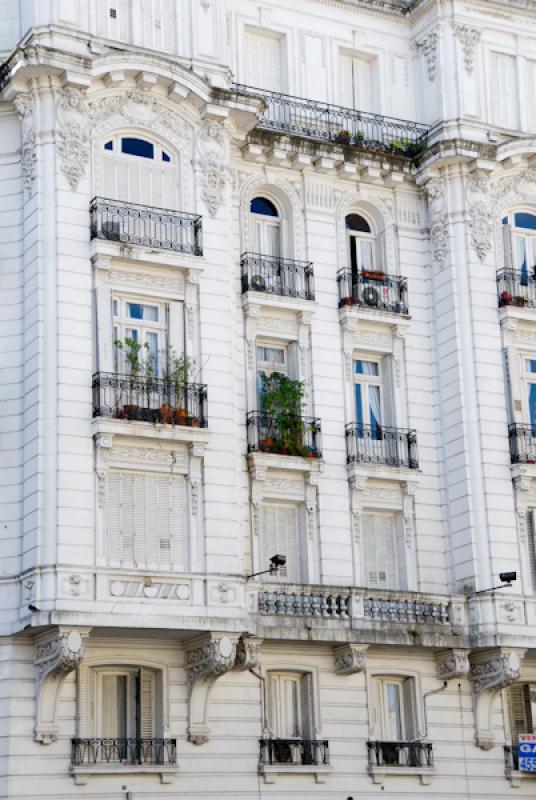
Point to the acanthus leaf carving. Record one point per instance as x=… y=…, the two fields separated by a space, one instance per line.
x=73 y=136
x=428 y=46
x=452 y=664
x=469 y=38
x=491 y=671
x=248 y=653
x=211 y=162
x=24 y=103
x=350 y=659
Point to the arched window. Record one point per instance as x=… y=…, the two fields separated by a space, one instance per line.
x=266 y=227
x=519 y=233
x=361 y=243
x=137 y=170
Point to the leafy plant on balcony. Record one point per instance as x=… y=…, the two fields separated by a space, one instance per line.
x=137 y=356
x=282 y=400
x=178 y=375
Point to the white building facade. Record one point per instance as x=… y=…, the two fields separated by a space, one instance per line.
x=269 y=288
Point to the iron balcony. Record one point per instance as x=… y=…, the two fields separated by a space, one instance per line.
x=274 y=275
x=283 y=434
x=389 y=447
x=372 y=289
x=123 y=751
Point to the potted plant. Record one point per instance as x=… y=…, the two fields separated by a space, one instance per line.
x=137 y=364
x=177 y=377
x=343 y=137
x=282 y=400
x=374 y=275
x=519 y=300
x=506 y=299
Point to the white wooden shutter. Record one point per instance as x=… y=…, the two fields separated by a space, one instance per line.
x=285 y=706
x=379 y=551
x=146 y=519
x=112 y=19
x=519 y=710
x=87 y=685
x=280 y=535
x=346 y=82
x=158 y=24
x=356 y=83
x=315 y=77
x=175 y=331
x=410 y=710
x=504 y=90
x=531 y=96
x=147 y=704
x=263 y=61
x=531 y=536
x=138 y=180
x=507 y=246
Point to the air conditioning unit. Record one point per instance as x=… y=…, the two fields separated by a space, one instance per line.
x=258 y=283
x=371 y=296
x=110 y=231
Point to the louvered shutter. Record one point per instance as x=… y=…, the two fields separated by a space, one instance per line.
x=263 y=61
x=146 y=517
x=315 y=68
x=531 y=96
x=176 y=326
x=531 y=536
x=410 y=710
x=507 y=246
x=519 y=710
x=356 y=83
x=379 y=551
x=87 y=691
x=158 y=24
x=143 y=181
x=112 y=19
x=146 y=704
x=504 y=90
x=280 y=535
x=346 y=82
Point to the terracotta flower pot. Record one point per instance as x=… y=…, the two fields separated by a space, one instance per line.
x=165 y=413
x=181 y=416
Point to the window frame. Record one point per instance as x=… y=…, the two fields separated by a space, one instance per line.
x=122 y=324
x=365 y=381
x=307 y=707
x=117 y=150
x=356 y=242
x=411 y=706
x=263 y=224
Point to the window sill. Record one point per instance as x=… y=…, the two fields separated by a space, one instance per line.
x=150 y=430
x=349 y=314
x=252 y=299
x=379 y=774
x=83 y=773
x=277 y=461
x=271 y=771
x=515 y=777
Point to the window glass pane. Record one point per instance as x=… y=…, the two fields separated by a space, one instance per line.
x=524 y=220
x=394 y=712
x=355 y=222
x=505 y=221
x=132 y=333
x=272 y=355
x=139 y=311
x=114 y=706
x=165 y=157
x=137 y=147
x=359 y=405
x=366 y=254
x=375 y=409
x=152 y=341
x=261 y=205
x=109 y=146
x=366 y=367
x=531 y=365
x=532 y=407
x=115 y=308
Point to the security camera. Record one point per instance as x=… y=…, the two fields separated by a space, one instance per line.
x=276 y=562
x=508 y=577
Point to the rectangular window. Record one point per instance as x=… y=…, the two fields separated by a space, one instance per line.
x=380 y=558
x=263 y=61
x=356 y=82
x=397 y=708
x=145 y=324
x=146 y=520
x=521 y=704
x=280 y=535
x=290 y=707
x=504 y=90
x=368 y=397
x=530 y=380
x=270 y=358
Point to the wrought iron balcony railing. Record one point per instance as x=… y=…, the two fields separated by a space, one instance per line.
x=294 y=751
x=522 y=443
x=155 y=228
x=274 y=275
x=400 y=754
x=372 y=289
x=516 y=287
x=511 y=758
x=123 y=751
x=390 y=447
x=149 y=400
x=311 y=119
x=283 y=434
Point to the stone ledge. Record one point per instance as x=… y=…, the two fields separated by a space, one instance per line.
x=82 y=774
x=378 y=774
x=271 y=771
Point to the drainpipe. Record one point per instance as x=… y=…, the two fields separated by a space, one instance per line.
x=426 y=695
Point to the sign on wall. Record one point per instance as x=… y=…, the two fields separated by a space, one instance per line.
x=527 y=752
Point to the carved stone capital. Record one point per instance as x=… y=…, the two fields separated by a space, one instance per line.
x=452 y=664
x=491 y=671
x=207 y=658
x=350 y=658
x=248 y=653
x=57 y=654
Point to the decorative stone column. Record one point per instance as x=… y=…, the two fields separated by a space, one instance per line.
x=491 y=671
x=58 y=653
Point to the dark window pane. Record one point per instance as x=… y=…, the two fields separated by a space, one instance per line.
x=505 y=221
x=165 y=157
x=524 y=220
x=113 y=13
x=260 y=205
x=137 y=147
x=355 y=222
x=109 y=146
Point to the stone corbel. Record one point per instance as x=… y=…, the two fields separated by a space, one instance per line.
x=208 y=657
x=350 y=658
x=58 y=653
x=491 y=671
x=453 y=663
x=248 y=653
